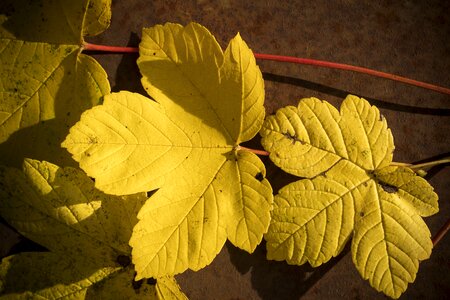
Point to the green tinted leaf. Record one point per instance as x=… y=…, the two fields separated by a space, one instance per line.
x=97 y=17
x=61 y=210
x=187 y=145
x=51 y=276
x=47 y=275
x=43 y=75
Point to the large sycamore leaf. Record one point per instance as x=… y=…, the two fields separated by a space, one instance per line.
x=61 y=209
x=187 y=145
x=43 y=74
x=46 y=275
x=352 y=190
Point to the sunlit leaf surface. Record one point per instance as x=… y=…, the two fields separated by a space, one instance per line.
x=352 y=191
x=187 y=145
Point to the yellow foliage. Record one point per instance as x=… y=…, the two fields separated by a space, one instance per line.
x=352 y=190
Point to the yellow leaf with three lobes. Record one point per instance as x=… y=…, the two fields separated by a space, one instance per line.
x=352 y=190
x=186 y=145
x=43 y=75
x=60 y=209
x=309 y=139
x=47 y=275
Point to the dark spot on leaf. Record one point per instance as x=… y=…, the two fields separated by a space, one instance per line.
x=123 y=260
x=220 y=191
x=154 y=53
x=137 y=284
x=389 y=188
x=151 y=281
x=361 y=214
x=259 y=176
x=293 y=138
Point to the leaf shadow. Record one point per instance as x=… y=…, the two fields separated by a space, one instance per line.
x=80 y=221
x=128 y=76
x=342 y=94
x=279 y=280
x=76 y=92
x=19 y=266
x=41 y=141
x=95 y=241
x=110 y=224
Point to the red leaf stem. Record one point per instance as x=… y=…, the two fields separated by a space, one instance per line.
x=441 y=233
x=332 y=65
x=257 y=152
x=298 y=60
x=112 y=49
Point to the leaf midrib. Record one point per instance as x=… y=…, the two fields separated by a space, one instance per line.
x=194 y=203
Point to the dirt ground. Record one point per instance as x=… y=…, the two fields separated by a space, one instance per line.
x=407 y=38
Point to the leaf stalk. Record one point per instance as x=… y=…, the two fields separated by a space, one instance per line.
x=298 y=60
x=333 y=65
x=423 y=165
x=110 y=49
x=441 y=233
x=257 y=152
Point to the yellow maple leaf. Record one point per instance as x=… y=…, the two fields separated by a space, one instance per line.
x=186 y=145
